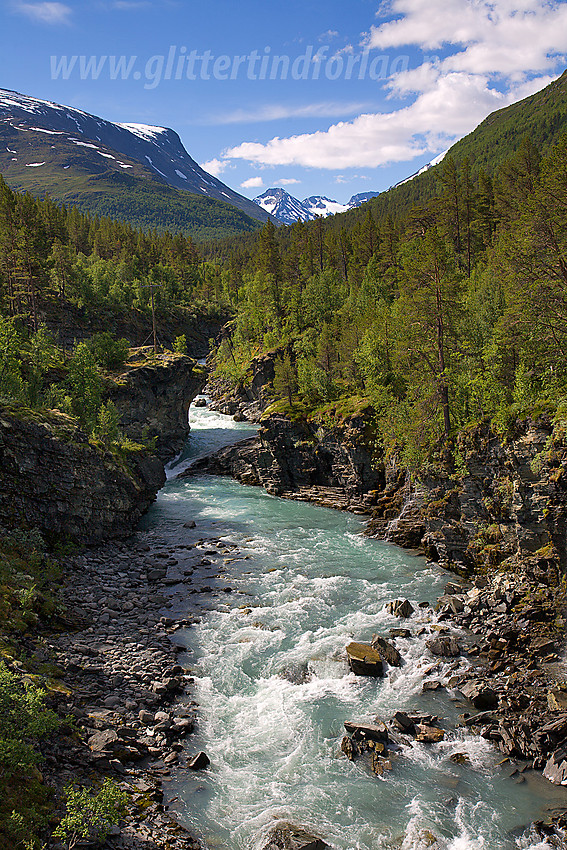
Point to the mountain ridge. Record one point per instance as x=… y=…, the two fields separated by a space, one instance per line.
x=288 y=209
x=75 y=157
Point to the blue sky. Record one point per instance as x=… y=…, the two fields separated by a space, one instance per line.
x=329 y=98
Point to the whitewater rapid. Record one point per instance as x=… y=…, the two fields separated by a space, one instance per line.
x=274 y=689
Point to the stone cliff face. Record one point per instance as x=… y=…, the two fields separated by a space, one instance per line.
x=153 y=401
x=328 y=465
x=53 y=479
x=248 y=400
x=508 y=499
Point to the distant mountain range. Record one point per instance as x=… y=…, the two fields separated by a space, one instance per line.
x=139 y=173
x=143 y=175
x=287 y=209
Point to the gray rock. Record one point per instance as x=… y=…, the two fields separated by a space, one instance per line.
x=556 y=768
x=103 y=741
x=387 y=650
x=482 y=696
x=400 y=608
x=447 y=647
x=286 y=836
x=367 y=731
x=198 y=762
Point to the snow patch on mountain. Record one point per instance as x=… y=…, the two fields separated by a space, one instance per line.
x=321 y=206
x=158 y=149
x=422 y=170
x=144 y=131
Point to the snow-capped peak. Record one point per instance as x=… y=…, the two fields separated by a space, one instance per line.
x=321 y=206
x=287 y=209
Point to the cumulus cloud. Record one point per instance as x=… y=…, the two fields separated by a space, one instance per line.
x=449 y=110
x=215 y=166
x=286 y=181
x=252 y=183
x=498 y=36
x=495 y=52
x=45 y=13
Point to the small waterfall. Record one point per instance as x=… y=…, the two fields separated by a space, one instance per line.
x=410 y=503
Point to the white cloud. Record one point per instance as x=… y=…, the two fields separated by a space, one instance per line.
x=342 y=178
x=452 y=108
x=286 y=181
x=252 y=183
x=278 y=112
x=498 y=36
x=45 y=13
x=328 y=36
x=215 y=166
x=499 y=51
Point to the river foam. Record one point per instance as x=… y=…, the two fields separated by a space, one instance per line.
x=274 y=688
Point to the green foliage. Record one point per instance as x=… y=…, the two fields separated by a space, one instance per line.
x=107 y=427
x=89 y=816
x=108 y=352
x=180 y=344
x=23 y=720
x=11 y=383
x=85 y=386
x=285 y=377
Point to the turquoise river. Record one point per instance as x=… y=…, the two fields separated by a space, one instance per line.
x=274 y=689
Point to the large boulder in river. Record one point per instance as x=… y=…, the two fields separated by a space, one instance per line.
x=400 y=608
x=285 y=836
x=387 y=650
x=377 y=731
x=364 y=660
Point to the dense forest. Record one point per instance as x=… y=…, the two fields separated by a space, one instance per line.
x=451 y=313
x=454 y=313
x=57 y=262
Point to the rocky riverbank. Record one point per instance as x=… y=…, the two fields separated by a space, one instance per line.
x=118 y=673
x=329 y=465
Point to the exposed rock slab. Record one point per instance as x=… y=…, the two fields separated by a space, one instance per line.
x=286 y=836
x=364 y=660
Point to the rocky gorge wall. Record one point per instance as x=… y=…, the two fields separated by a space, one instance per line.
x=506 y=500
x=329 y=465
x=249 y=399
x=153 y=399
x=53 y=479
